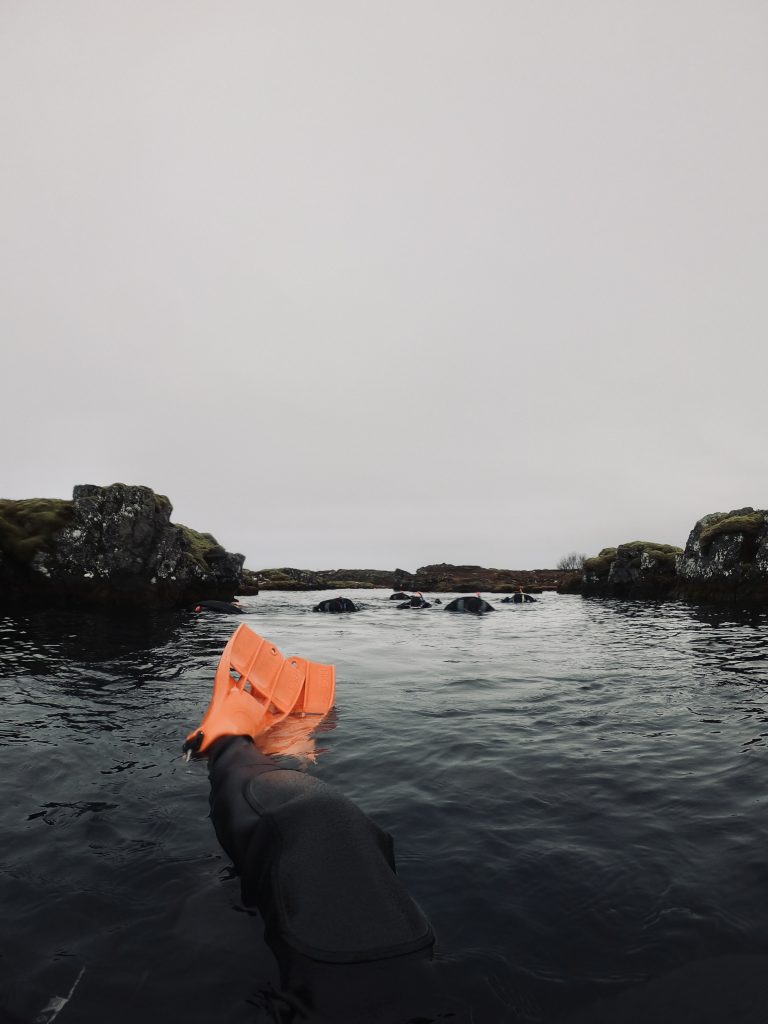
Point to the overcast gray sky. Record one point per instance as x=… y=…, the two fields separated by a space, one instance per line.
x=382 y=284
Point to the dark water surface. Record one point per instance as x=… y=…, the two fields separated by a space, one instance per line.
x=576 y=790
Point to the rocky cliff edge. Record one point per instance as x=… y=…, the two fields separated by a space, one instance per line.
x=108 y=547
x=724 y=559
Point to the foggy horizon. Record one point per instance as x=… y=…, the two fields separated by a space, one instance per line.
x=383 y=287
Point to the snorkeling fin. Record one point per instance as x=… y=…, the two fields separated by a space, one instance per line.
x=255 y=687
x=317 y=693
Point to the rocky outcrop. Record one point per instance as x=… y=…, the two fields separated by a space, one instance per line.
x=250 y=583
x=467 y=579
x=109 y=547
x=726 y=557
x=637 y=569
x=328 y=579
x=443 y=578
x=724 y=560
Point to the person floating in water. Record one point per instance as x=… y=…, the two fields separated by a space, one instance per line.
x=475 y=605
x=352 y=945
x=519 y=597
x=221 y=607
x=334 y=605
x=415 y=601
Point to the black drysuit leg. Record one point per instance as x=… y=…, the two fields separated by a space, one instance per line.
x=347 y=936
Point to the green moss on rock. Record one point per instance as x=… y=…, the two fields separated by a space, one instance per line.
x=653 y=547
x=351 y=584
x=163 y=504
x=601 y=562
x=276 y=576
x=199 y=545
x=750 y=523
x=665 y=559
x=664 y=555
x=631 y=555
x=29 y=525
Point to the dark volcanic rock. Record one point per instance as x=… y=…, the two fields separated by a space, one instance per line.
x=290 y=579
x=250 y=582
x=726 y=557
x=468 y=579
x=332 y=579
x=109 y=547
x=724 y=560
x=637 y=569
x=443 y=578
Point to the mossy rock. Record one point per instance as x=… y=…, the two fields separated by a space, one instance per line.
x=652 y=545
x=276 y=576
x=163 y=504
x=601 y=562
x=749 y=523
x=665 y=555
x=665 y=559
x=200 y=545
x=30 y=525
x=352 y=585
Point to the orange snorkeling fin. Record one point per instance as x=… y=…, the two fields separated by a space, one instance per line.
x=255 y=687
x=317 y=693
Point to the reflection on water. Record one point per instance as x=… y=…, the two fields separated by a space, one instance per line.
x=297 y=737
x=575 y=789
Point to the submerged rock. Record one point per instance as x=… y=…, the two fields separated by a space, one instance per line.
x=109 y=547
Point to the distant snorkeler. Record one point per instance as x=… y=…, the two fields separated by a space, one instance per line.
x=335 y=605
x=415 y=601
x=221 y=607
x=473 y=604
x=519 y=597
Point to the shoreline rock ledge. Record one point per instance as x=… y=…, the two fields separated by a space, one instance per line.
x=725 y=560
x=109 y=547
x=436 y=579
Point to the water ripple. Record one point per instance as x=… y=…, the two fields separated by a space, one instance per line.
x=575 y=793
